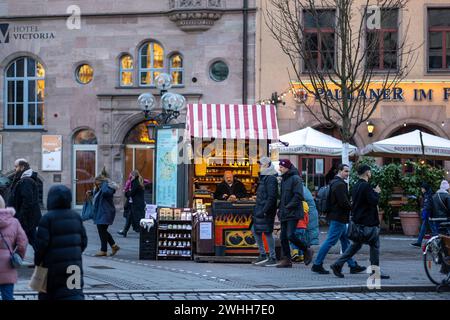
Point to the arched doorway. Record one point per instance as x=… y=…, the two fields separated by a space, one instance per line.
x=84 y=164
x=407 y=129
x=319 y=170
x=139 y=155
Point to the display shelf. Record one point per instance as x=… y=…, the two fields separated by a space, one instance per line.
x=176 y=221
x=173 y=256
x=178 y=239
x=174 y=248
x=184 y=230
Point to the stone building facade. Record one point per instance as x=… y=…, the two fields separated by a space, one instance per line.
x=432 y=114
x=101 y=113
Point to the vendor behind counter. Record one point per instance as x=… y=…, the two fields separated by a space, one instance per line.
x=230 y=189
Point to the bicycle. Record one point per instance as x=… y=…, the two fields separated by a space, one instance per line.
x=436 y=257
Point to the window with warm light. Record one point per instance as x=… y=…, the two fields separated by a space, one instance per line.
x=84 y=74
x=151 y=63
x=176 y=69
x=24 y=95
x=126 y=70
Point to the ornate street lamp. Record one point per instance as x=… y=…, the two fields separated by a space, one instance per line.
x=171 y=104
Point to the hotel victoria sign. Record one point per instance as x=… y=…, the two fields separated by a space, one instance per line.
x=9 y=33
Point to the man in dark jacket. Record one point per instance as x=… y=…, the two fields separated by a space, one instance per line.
x=230 y=189
x=265 y=211
x=365 y=213
x=290 y=211
x=440 y=207
x=60 y=242
x=24 y=197
x=339 y=213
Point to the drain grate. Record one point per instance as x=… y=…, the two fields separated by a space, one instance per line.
x=101 y=267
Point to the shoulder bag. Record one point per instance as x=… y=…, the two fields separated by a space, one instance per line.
x=15 y=259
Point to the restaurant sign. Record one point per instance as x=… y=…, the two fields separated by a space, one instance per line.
x=402 y=92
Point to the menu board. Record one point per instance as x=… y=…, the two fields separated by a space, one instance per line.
x=51 y=152
x=166 y=167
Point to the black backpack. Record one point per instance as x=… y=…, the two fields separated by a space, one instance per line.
x=323 y=199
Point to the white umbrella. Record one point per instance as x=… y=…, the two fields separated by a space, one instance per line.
x=412 y=144
x=310 y=141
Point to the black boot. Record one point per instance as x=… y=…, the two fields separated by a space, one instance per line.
x=318 y=268
x=337 y=270
x=122 y=233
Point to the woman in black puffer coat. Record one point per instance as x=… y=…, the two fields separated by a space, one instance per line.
x=265 y=210
x=60 y=242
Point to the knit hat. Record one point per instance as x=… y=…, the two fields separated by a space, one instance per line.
x=363 y=169
x=444 y=185
x=264 y=160
x=285 y=163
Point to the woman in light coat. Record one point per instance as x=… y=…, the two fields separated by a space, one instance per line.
x=12 y=237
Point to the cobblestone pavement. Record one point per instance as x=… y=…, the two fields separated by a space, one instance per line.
x=125 y=272
x=263 y=296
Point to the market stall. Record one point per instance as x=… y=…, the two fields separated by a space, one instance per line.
x=229 y=138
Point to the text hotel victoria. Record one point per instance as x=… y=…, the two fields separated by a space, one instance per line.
x=70 y=86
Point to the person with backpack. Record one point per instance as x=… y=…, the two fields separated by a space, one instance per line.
x=264 y=213
x=290 y=211
x=338 y=207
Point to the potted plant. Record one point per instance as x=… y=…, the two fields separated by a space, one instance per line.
x=388 y=179
x=409 y=218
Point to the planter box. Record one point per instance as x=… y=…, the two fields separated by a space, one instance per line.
x=410 y=223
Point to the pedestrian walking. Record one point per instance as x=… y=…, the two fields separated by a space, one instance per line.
x=60 y=242
x=134 y=193
x=312 y=230
x=104 y=213
x=338 y=206
x=12 y=238
x=24 y=198
x=427 y=208
x=364 y=214
x=440 y=207
x=290 y=211
x=264 y=213
x=297 y=255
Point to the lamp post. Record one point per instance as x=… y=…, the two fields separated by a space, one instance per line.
x=171 y=105
x=370 y=128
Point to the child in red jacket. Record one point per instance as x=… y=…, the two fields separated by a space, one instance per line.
x=300 y=232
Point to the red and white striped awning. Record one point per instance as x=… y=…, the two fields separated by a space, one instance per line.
x=232 y=121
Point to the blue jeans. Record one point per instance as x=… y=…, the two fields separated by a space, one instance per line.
x=7 y=291
x=302 y=234
x=336 y=232
x=287 y=236
x=260 y=243
x=434 y=226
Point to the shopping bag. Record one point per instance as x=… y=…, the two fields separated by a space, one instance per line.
x=87 y=213
x=38 y=280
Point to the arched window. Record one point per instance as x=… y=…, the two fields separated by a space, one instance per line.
x=176 y=69
x=25 y=85
x=151 y=63
x=126 y=70
x=86 y=136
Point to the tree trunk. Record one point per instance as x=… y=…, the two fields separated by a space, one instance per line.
x=345 y=147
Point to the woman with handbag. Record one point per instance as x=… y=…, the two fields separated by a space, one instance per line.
x=104 y=213
x=60 y=242
x=12 y=240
